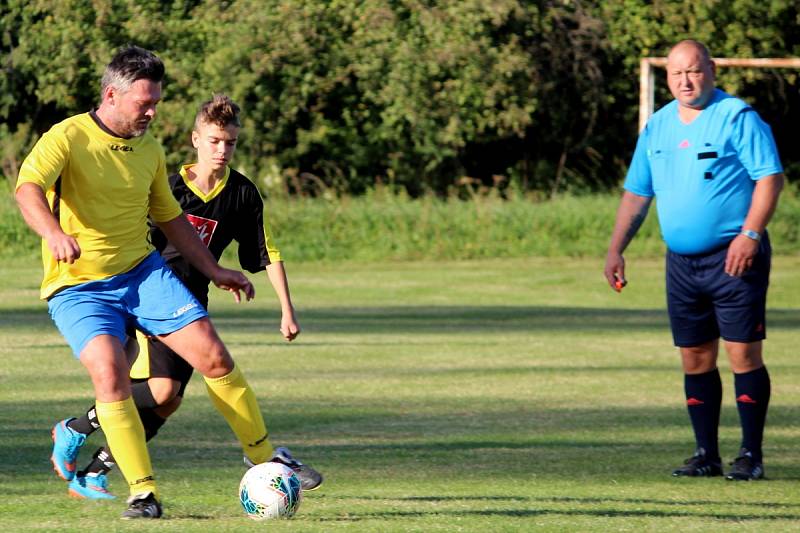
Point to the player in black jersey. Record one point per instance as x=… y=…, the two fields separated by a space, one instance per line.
x=223 y=206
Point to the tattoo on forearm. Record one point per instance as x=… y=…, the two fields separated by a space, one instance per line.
x=633 y=227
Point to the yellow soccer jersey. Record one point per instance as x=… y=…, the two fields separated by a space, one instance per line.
x=101 y=188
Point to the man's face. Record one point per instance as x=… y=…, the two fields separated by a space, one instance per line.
x=690 y=76
x=215 y=145
x=135 y=108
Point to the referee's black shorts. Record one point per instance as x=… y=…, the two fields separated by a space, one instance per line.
x=705 y=303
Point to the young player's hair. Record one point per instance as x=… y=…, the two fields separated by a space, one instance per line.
x=129 y=64
x=220 y=110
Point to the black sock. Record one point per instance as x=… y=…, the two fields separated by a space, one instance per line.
x=102 y=463
x=151 y=422
x=143 y=396
x=752 y=399
x=86 y=424
x=703 y=399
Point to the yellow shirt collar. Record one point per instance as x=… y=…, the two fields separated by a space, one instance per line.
x=213 y=193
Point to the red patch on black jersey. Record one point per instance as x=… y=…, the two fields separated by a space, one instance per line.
x=205 y=227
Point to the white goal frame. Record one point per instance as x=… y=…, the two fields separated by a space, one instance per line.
x=647 y=76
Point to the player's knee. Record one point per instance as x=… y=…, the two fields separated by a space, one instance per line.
x=108 y=373
x=164 y=391
x=166 y=410
x=217 y=362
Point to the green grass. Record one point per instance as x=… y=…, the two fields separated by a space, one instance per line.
x=435 y=396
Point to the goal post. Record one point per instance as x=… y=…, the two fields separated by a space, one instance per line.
x=647 y=76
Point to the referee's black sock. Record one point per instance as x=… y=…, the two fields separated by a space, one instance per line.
x=752 y=399
x=703 y=399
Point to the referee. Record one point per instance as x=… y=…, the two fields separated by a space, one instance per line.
x=712 y=164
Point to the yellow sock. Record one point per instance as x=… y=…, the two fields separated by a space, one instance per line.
x=125 y=437
x=234 y=398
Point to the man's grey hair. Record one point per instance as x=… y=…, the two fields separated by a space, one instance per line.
x=131 y=63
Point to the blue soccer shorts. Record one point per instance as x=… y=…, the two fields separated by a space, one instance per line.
x=148 y=297
x=705 y=303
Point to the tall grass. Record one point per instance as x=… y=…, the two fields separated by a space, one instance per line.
x=387 y=226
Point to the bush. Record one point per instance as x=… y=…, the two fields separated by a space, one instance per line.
x=542 y=94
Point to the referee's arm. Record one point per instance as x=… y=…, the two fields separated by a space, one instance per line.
x=743 y=249
x=630 y=215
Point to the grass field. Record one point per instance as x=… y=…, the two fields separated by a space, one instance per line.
x=435 y=396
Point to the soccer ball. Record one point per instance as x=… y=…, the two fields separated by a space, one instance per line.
x=270 y=490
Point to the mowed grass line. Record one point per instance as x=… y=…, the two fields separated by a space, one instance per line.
x=435 y=396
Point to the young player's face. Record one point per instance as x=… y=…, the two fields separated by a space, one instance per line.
x=215 y=144
x=690 y=76
x=134 y=108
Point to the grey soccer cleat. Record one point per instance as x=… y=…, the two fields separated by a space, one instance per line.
x=745 y=468
x=699 y=465
x=143 y=505
x=309 y=478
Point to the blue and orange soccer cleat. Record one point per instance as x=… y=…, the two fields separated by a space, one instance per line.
x=66 y=444
x=90 y=487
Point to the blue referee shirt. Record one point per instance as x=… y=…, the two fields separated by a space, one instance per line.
x=703 y=173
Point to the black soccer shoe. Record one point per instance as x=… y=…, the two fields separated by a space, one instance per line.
x=142 y=505
x=745 y=468
x=699 y=465
x=309 y=478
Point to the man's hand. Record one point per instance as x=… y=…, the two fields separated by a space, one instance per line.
x=290 y=329
x=741 y=252
x=615 y=271
x=37 y=214
x=63 y=247
x=234 y=281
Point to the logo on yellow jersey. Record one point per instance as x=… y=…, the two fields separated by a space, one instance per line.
x=121 y=147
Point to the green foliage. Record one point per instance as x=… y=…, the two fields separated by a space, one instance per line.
x=422 y=95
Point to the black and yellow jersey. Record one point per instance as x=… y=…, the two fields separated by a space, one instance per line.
x=231 y=211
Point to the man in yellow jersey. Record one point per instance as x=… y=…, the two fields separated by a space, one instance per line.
x=87 y=188
x=223 y=206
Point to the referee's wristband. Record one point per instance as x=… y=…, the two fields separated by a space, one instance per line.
x=756 y=236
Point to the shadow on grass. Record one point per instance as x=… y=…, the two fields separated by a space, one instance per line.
x=404 y=319
x=570 y=499
x=605 y=512
x=574 y=443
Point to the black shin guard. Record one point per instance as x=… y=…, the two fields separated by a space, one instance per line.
x=102 y=462
x=86 y=424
